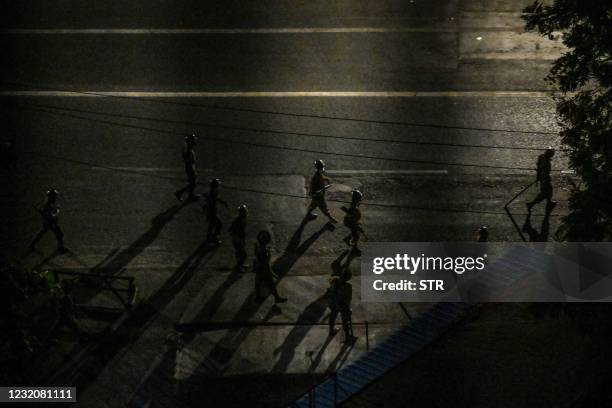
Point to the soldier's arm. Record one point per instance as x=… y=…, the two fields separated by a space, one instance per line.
x=223 y=202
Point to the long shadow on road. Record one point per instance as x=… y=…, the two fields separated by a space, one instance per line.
x=225 y=348
x=115 y=262
x=311 y=315
x=86 y=370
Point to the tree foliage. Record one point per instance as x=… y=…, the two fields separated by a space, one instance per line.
x=583 y=74
x=28 y=305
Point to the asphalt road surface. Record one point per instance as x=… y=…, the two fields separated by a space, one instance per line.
x=437 y=110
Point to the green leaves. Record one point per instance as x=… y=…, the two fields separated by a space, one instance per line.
x=584 y=75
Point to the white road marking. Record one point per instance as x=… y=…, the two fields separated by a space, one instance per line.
x=330 y=172
x=544 y=56
x=385 y=172
x=143 y=169
x=184 y=31
x=279 y=94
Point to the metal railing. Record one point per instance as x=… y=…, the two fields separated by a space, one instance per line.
x=126 y=295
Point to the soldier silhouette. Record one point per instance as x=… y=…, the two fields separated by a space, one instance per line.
x=189 y=159
x=544 y=180
x=319 y=183
x=49 y=214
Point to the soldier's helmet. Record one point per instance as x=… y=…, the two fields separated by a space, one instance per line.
x=191 y=139
x=243 y=210
x=550 y=152
x=214 y=183
x=483 y=233
x=264 y=237
x=319 y=165
x=356 y=196
x=52 y=193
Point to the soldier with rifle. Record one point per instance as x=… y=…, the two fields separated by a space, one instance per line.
x=264 y=276
x=50 y=213
x=319 y=184
x=210 y=208
x=545 y=182
x=340 y=295
x=352 y=219
x=189 y=159
x=238 y=232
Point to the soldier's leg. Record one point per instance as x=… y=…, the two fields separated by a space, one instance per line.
x=179 y=193
x=258 y=283
x=347 y=324
x=211 y=227
x=59 y=236
x=218 y=226
x=311 y=208
x=241 y=255
x=547 y=191
x=272 y=287
x=538 y=199
x=333 y=314
x=322 y=204
x=355 y=236
x=191 y=185
x=39 y=236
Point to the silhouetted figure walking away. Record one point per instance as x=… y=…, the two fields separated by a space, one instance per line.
x=210 y=208
x=50 y=214
x=264 y=276
x=352 y=220
x=483 y=234
x=544 y=181
x=319 y=183
x=340 y=295
x=238 y=232
x=189 y=159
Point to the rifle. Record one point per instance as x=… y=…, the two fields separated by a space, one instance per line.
x=316 y=193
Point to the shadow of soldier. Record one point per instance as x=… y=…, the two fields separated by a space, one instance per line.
x=311 y=315
x=535 y=235
x=225 y=348
x=82 y=372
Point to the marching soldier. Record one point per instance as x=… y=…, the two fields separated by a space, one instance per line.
x=238 y=232
x=210 y=208
x=352 y=219
x=189 y=160
x=483 y=234
x=340 y=294
x=263 y=270
x=543 y=178
x=319 y=183
x=50 y=214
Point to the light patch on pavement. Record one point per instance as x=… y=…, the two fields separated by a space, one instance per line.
x=385 y=172
x=279 y=94
x=187 y=31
